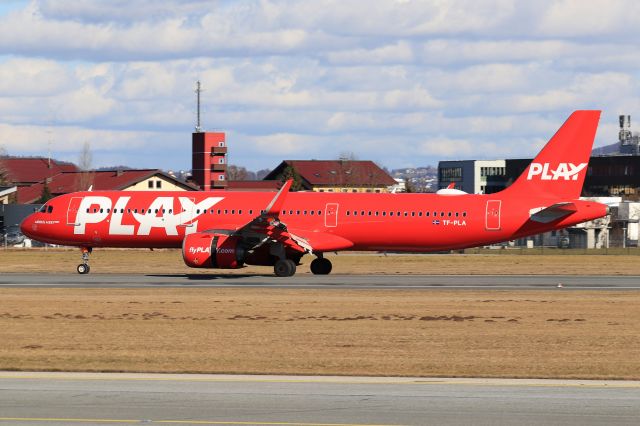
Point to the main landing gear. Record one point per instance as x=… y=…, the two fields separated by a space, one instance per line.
x=321 y=266
x=284 y=268
x=84 y=268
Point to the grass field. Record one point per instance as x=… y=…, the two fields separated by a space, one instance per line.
x=570 y=334
x=488 y=262
x=556 y=333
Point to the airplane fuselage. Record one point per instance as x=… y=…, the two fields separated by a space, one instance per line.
x=399 y=222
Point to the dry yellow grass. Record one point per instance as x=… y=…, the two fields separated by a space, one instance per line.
x=170 y=261
x=577 y=334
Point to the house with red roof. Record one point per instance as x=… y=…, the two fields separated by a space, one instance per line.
x=334 y=175
x=25 y=171
x=112 y=180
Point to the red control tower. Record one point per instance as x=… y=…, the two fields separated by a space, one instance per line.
x=209 y=160
x=208 y=156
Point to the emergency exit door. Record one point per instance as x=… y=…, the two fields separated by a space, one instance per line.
x=331 y=215
x=492 y=219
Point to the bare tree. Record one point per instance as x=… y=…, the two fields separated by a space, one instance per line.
x=85 y=160
x=236 y=172
x=260 y=174
x=3 y=170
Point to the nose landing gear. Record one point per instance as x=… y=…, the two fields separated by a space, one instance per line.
x=321 y=266
x=84 y=268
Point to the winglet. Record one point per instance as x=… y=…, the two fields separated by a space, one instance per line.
x=452 y=185
x=274 y=207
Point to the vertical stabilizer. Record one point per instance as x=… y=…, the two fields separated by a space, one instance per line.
x=558 y=171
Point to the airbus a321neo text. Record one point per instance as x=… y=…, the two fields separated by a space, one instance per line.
x=227 y=230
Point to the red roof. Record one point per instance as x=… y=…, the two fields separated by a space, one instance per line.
x=337 y=173
x=253 y=185
x=65 y=183
x=25 y=171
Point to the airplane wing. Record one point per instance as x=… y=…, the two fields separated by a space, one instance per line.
x=553 y=212
x=268 y=227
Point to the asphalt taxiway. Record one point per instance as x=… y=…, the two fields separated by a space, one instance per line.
x=307 y=281
x=85 y=398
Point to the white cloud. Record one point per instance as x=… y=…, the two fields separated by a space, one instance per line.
x=430 y=79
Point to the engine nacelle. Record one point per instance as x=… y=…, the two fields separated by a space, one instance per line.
x=202 y=250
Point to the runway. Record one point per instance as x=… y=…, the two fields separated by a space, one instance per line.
x=86 y=398
x=306 y=281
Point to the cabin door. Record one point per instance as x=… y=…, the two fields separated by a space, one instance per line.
x=492 y=221
x=331 y=215
x=72 y=213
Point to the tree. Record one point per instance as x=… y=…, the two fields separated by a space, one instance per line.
x=291 y=173
x=3 y=172
x=409 y=186
x=260 y=174
x=45 y=195
x=237 y=172
x=85 y=159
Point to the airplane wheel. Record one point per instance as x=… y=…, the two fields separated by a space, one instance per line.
x=321 y=266
x=284 y=268
x=83 y=268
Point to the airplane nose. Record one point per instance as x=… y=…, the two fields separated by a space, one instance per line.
x=26 y=226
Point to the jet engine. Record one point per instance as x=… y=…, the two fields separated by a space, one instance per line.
x=203 y=250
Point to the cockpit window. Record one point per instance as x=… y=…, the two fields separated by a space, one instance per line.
x=50 y=209
x=43 y=209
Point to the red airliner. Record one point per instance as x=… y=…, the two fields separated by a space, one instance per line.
x=230 y=229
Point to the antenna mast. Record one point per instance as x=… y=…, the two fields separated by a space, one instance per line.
x=198 y=90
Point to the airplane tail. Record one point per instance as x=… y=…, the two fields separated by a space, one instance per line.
x=558 y=171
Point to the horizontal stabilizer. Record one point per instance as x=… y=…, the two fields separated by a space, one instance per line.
x=553 y=212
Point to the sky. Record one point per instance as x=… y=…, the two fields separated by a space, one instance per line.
x=404 y=83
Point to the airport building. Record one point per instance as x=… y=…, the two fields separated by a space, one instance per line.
x=473 y=176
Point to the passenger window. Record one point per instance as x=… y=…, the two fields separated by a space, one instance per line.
x=87 y=210
x=384 y=213
x=233 y=211
x=239 y=211
x=441 y=214
x=348 y=213
x=250 y=211
x=319 y=212
x=355 y=213
x=449 y=214
x=464 y=214
x=457 y=214
x=390 y=213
